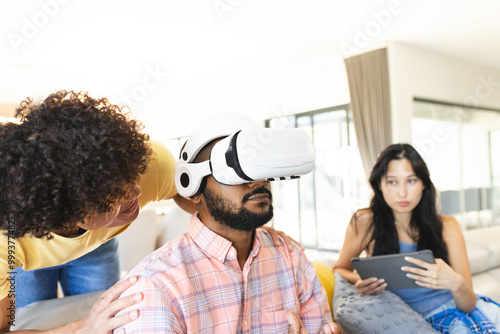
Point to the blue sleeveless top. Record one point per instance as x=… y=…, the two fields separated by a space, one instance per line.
x=422 y=300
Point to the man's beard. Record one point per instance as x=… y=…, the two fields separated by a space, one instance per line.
x=243 y=219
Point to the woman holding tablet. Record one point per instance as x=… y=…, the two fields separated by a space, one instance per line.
x=403 y=218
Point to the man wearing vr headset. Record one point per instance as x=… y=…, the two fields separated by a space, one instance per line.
x=225 y=275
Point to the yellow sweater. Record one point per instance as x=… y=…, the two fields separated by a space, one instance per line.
x=34 y=253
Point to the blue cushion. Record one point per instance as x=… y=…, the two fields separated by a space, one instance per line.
x=382 y=313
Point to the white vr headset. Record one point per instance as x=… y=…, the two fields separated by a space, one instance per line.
x=249 y=155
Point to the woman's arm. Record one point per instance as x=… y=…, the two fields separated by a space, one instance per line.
x=355 y=242
x=456 y=276
x=460 y=284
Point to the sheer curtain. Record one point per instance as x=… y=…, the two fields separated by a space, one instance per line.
x=368 y=77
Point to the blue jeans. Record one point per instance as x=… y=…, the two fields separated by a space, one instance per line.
x=97 y=270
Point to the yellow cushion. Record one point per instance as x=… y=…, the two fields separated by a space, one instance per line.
x=327 y=280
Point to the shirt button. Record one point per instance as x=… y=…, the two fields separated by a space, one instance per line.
x=221 y=258
x=246 y=322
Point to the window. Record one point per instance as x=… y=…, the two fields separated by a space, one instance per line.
x=458 y=144
x=316 y=209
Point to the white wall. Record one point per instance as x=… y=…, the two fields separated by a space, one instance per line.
x=302 y=78
x=312 y=76
x=416 y=72
x=307 y=76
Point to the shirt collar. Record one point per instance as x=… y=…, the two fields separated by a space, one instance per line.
x=209 y=241
x=256 y=244
x=212 y=243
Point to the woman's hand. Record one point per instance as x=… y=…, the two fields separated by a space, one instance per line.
x=370 y=286
x=276 y=234
x=101 y=319
x=435 y=276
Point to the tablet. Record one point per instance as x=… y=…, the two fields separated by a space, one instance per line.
x=388 y=267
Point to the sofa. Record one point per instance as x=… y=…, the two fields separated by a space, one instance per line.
x=483 y=249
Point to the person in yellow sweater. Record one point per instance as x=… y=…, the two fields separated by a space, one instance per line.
x=74 y=174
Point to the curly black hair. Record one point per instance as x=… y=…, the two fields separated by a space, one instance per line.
x=70 y=158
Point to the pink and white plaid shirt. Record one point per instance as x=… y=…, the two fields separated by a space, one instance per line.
x=194 y=284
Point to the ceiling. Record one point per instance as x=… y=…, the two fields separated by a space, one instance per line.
x=116 y=46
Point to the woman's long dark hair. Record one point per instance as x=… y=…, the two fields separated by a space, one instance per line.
x=424 y=219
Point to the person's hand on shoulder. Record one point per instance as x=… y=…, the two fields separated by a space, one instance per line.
x=297 y=327
x=101 y=319
x=276 y=237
